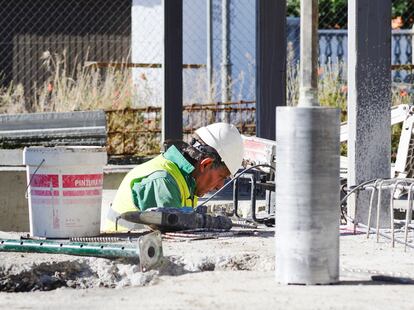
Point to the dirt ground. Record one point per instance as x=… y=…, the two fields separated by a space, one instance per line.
x=221 y=273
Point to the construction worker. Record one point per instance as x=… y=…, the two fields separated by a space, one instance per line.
x=178 y=176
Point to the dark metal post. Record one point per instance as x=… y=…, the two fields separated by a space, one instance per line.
x=226 y=52
x=369 y=100
x=270 y=64
x=210 y=50
x=172 y=115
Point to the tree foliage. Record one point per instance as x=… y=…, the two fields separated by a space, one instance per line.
x=334 y=13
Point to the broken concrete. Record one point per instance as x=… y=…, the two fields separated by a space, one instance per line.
x=225 y=273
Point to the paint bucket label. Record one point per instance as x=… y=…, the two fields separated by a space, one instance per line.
x=64 y=200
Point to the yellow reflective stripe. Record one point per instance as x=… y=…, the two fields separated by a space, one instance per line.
x=123 y=201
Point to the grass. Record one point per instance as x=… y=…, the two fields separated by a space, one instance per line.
x=91 y=88
x=78 y=88
x=82 y=88
x=12 y=99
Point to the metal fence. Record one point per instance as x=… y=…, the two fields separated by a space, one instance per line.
x=333 y=34
x=78 y=30
x=137 y=132
x=218 y=37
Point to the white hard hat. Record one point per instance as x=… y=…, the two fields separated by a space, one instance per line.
x=227 y=141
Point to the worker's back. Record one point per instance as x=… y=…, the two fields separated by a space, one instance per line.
x=124 y=202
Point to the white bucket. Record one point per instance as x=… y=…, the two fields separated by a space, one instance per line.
x=64 y=190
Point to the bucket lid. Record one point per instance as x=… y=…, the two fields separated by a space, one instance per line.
x=72 y=155
x=68 y=148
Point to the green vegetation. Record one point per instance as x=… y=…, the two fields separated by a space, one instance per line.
x=334 y=13
x=112 y=90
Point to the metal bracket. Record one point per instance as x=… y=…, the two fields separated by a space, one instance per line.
x=150 y=250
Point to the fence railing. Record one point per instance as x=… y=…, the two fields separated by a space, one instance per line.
x=51 y=129
x=333 y=48
x=125 y=132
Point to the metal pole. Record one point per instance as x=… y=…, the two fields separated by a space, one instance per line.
x=270 y=64
x=307 y=175
x=210 y=50
x=225 y=57
x=172 y=115
x=369 y=101
x=412 y=44
x=308 y=91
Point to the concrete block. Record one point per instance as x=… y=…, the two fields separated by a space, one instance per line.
x=14 y=211
x=13 y=122
x=11 y=157
x=49 y=129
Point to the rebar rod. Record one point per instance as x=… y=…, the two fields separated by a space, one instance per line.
x=378 y=207
x=392 y=212
x=391 y=186
x=209 y=60
x=226 y=74
x=408 y=214
x=386 y=236
x=371 y=202
x=71 y=248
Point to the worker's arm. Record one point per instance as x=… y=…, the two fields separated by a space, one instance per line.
x=157 y=190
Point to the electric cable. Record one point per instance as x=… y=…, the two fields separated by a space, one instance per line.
x=341 y=204
x=238 y=175
x=31 y=178
x=234 y=179
x=355 y=189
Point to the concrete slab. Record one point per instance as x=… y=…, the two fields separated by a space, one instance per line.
x=228 y=273
x=11 y=157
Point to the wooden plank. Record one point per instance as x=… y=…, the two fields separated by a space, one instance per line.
x=26 y=60
x=403 y=67
x=69 y=54
x=16 y=49
x=126 y=46
x=112 y=56
x=106 y=47
x=80 y=45
x=98 y=47
x=40 y=70
x=120 y=65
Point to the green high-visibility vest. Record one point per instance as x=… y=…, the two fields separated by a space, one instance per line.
x=123 y=201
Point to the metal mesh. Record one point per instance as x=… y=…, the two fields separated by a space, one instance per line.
x=96 y=54
x=333 y=46
x=60 y=55
x=81 y=30
x=137 y=132
x=232 y=50
x=333 y=24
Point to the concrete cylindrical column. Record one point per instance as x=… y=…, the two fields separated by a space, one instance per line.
x=307 y=195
